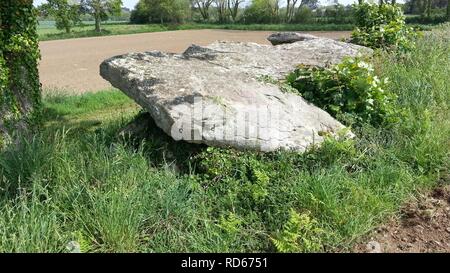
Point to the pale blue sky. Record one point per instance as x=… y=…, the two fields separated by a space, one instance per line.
x=131 y=3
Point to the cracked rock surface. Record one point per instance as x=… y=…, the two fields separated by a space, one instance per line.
x=224 y=94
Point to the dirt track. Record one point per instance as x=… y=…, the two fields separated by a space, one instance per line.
x=74 y=64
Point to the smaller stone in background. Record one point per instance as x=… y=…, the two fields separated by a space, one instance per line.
x=289 y=37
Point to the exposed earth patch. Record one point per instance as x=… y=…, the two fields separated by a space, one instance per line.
x=423 y=226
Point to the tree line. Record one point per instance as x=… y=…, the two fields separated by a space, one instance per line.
x=426 y=8
x=230 y=11
x=67 y=13
x=267 y=11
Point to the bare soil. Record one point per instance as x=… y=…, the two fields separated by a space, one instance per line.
x=424 y=226
x=73 y=64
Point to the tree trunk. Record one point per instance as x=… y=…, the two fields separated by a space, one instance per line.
x=233 y=9
x=288 y=11
x=221 y=11
x=423 y=7
x=448 y=10
x=20 y=90
x=204 y=10
x=204 y=13
x=97 y=23
x=429 y=8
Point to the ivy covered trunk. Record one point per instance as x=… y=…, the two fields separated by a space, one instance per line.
x=20 y=91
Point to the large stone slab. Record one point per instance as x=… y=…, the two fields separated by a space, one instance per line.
x=225 y=94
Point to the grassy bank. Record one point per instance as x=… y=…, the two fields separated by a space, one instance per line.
x=78 y=180
x=51 y=33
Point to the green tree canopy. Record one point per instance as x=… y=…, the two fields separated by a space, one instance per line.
x=65 y=12
x=101 y=10
x=161 y=11
x=262 y=11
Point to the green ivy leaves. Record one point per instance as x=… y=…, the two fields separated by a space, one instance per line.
x=20 y=94
x=349 y=91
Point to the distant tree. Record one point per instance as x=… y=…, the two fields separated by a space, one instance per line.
x=140 y=13
x=203 y=7
x=290 y=9
x=65 y=12
x=233 y=8
x=160 y=11
x=426 y=7
x=222 y=13
x=176 y=11
x=303 y=15
x=101 y=10
x=262 y=11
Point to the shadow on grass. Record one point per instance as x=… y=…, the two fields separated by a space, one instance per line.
x=160 y=149
x=54 y=120
x=138 y=132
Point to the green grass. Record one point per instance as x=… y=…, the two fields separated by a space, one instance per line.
x=66 y=105
x=78 y=180
x=47 y=32
x=86 y=111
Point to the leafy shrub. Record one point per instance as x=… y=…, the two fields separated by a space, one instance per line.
x=151 y=11
x=230 y=223
x=382 y=26
x=300 y=234
x=338 y=14
x=261 y=12
x=349 y=91
x=303 y=15
x=217 y=164
x=65 y=13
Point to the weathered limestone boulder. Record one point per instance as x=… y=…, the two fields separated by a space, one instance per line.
x=289 y=37
x=227 y=94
